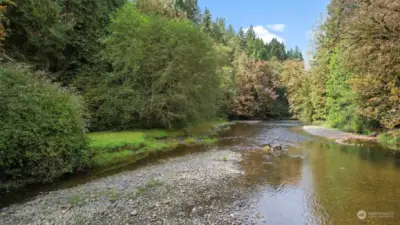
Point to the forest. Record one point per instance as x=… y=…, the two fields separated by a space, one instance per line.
x=69 y=68
x=354 y=78
x=74 y=67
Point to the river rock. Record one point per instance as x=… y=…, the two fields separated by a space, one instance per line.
x=134 y=213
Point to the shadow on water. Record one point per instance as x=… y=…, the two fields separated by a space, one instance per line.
x=317 y=181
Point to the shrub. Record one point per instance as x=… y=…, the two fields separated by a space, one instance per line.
x=42 y=125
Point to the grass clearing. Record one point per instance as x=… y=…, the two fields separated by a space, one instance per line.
x=111 y=148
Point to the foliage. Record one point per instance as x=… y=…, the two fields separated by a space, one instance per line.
x=140 y=65
x=42 y=126
x=256 y=89
x=4 y=5
x=163 y=74
x=57 y=36
x=297 y=83
x=390 y=139
x=353 y=82
x=170 y=8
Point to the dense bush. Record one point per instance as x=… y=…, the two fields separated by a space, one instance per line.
x=163 y=74
x=42 y=127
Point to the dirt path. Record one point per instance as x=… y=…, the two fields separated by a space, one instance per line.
x=338 y=135
x=192 y=189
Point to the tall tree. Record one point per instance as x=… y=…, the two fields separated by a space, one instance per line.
x=250 y=41
x=206 y=23
x=242 y=39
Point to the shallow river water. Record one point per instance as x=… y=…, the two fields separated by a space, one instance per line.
x=317 y=181
x=320 y=181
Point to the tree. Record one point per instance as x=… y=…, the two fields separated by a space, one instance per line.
x=164 y=76
x=206 y=24
x=242 y=39
x=297 y=84
x=231 y=31
x=250 y=41
x=256 y=89
x=277 y=50
x=191 y=9
x=188 y=9
x=219 y=30
x=69 y=33
x=3 y=20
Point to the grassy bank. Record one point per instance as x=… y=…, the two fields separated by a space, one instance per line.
x=390 y=139
x=110 y=148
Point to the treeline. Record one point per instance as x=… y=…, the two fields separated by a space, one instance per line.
x=354 y=79
x=69 y=67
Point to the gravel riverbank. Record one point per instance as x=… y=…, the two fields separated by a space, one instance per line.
x=338 y=135
x=193 y=189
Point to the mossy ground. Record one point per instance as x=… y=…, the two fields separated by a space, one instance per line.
x=109 y=148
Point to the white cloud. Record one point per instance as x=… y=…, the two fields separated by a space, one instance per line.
x=265 y=34
x=277 y=27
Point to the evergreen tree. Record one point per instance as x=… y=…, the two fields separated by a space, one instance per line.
x=206 y=23
x=277 y=50
x=191 y=9
x=242 y=39
x=231 y=31
x=250 y=41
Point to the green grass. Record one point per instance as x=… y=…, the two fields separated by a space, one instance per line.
x=116 y=139
x=152 y=183
x=108 y=158
x=208 y=141
x=190 y=141
x=111 y=148
x=75 y=199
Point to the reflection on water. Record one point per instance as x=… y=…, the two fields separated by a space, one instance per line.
x=319 y=181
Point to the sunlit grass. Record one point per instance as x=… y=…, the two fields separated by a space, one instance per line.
x=116 y=139
x=109 y=148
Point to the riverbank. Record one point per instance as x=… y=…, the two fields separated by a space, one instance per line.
x=181 y=190
x=388 y=139
x=116 y=148
x=339 y=136
x=111 y=150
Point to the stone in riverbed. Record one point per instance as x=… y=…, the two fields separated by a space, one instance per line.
x=134 y=213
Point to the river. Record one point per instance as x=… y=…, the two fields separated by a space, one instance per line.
x=314 y=181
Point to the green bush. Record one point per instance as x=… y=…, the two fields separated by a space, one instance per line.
x=162 y=76
x=42 y=125
x=390 y=139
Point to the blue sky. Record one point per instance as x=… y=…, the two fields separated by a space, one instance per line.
x=290 y=20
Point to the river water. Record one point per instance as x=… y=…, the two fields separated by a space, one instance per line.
x=316 y=181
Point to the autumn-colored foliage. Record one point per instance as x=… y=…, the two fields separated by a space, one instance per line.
x=256 y=89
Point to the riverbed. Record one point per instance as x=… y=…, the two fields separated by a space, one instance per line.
x=312 y=180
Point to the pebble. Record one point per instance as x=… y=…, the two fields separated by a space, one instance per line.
x=201 y=187
x=134 y=213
